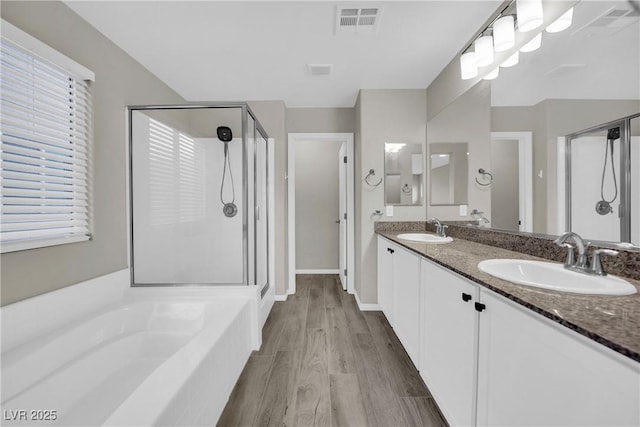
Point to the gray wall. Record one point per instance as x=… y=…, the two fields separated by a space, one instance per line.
x=549 y=120
x=467 y=119
x=317 y=205
x=120 y=81
x=393 y=115
x=320 y=120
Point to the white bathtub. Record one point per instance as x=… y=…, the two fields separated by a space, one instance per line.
x=147 y=357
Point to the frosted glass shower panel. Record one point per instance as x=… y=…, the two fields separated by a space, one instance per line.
x=182 y=176
x=589 y=187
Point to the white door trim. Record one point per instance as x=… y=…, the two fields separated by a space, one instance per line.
x=291 y=211
x=525 y=170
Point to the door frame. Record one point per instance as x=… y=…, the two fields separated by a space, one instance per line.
x=525 y=172
x=346 y=138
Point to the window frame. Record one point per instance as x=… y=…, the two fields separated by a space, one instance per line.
x=43 y=53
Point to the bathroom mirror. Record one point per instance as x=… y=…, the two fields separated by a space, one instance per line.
x=403 y=174
x=579 y=78
x=448 y=173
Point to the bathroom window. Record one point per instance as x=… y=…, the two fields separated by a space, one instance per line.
x=46 y=144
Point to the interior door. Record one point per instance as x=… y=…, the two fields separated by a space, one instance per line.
x=342 y=155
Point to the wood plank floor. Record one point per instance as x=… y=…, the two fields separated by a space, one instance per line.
x=323 y=362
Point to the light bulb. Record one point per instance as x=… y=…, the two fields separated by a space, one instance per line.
x=561 y=23
x=484 y=50
x=504 y=34
x=493 y=74
x=468 y=67
x=529 y=14
x=512 y=60
x=533 y=44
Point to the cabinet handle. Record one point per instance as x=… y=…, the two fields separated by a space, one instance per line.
x=480 y=307
x=390 y=250
x=466 y=297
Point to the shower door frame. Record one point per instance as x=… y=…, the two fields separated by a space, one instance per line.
x=244 y=111
x=625 y=175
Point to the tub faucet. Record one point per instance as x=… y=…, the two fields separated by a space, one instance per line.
x=440 y=229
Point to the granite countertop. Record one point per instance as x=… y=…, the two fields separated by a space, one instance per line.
x=613 y=321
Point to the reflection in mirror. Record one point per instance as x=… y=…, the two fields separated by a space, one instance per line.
x=579 y=78
x=601 y=194
x=448 y=173
x=403 y=174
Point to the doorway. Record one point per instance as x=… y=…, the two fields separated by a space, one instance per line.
x=320 y=200
x=512 y=186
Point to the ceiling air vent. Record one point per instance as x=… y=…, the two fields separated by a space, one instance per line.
x=610 y=22
x=357 y=20
x=320 y=69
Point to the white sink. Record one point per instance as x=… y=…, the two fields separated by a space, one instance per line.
x=554 y=276
x=424 y=238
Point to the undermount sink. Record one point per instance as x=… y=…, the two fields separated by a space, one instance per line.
x=554 y=276
x=424 y=238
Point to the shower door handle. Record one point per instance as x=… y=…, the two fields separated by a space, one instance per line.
x=257 y=214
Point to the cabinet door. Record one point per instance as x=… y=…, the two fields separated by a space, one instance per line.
x=385 y=277
x=406 y=311
x=449 y=342
x=533 y=372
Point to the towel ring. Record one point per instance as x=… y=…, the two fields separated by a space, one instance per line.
x=406 y=189
x=369 y=175
x=484 y=174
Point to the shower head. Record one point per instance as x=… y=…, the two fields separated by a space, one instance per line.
x=224 y=134
x=613 y=133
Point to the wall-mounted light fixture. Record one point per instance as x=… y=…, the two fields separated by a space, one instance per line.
x=504 y=34
x=561 y=23
x=530 y=15
x=500 y=36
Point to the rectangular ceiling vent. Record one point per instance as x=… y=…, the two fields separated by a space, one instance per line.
x=357 y=20
x=610 y=22
x=320 y=69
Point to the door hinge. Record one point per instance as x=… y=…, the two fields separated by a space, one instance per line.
x=480 y=306
x=344 y=216
x=345 y=271
x=345 y=159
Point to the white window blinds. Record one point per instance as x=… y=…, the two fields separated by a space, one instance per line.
x=46 y=135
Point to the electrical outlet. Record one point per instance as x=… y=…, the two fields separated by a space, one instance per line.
x=463 y=210
x=389 y=211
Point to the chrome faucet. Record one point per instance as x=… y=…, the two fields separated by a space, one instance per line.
x=440 y=229
x=571 y=262
x=479 y=217
x=582 y=264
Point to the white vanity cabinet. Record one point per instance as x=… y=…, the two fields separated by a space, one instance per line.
x=406 y=301
x=386 y=250
x=449 y=323
x=532 y=371
x=489 y=361
x=399 y=293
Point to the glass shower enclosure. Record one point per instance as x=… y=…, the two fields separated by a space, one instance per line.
x=198 y=196
x=602 y=182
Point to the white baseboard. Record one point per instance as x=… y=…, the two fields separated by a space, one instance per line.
x=325 y=271
x=281 y=297
x=366 y=307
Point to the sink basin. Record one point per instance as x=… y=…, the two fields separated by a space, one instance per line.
x=554 y=276
x=424 y=238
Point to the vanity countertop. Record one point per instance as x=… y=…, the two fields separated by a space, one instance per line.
x=613 y=321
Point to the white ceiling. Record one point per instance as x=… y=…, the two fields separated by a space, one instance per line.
x=238 y=50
